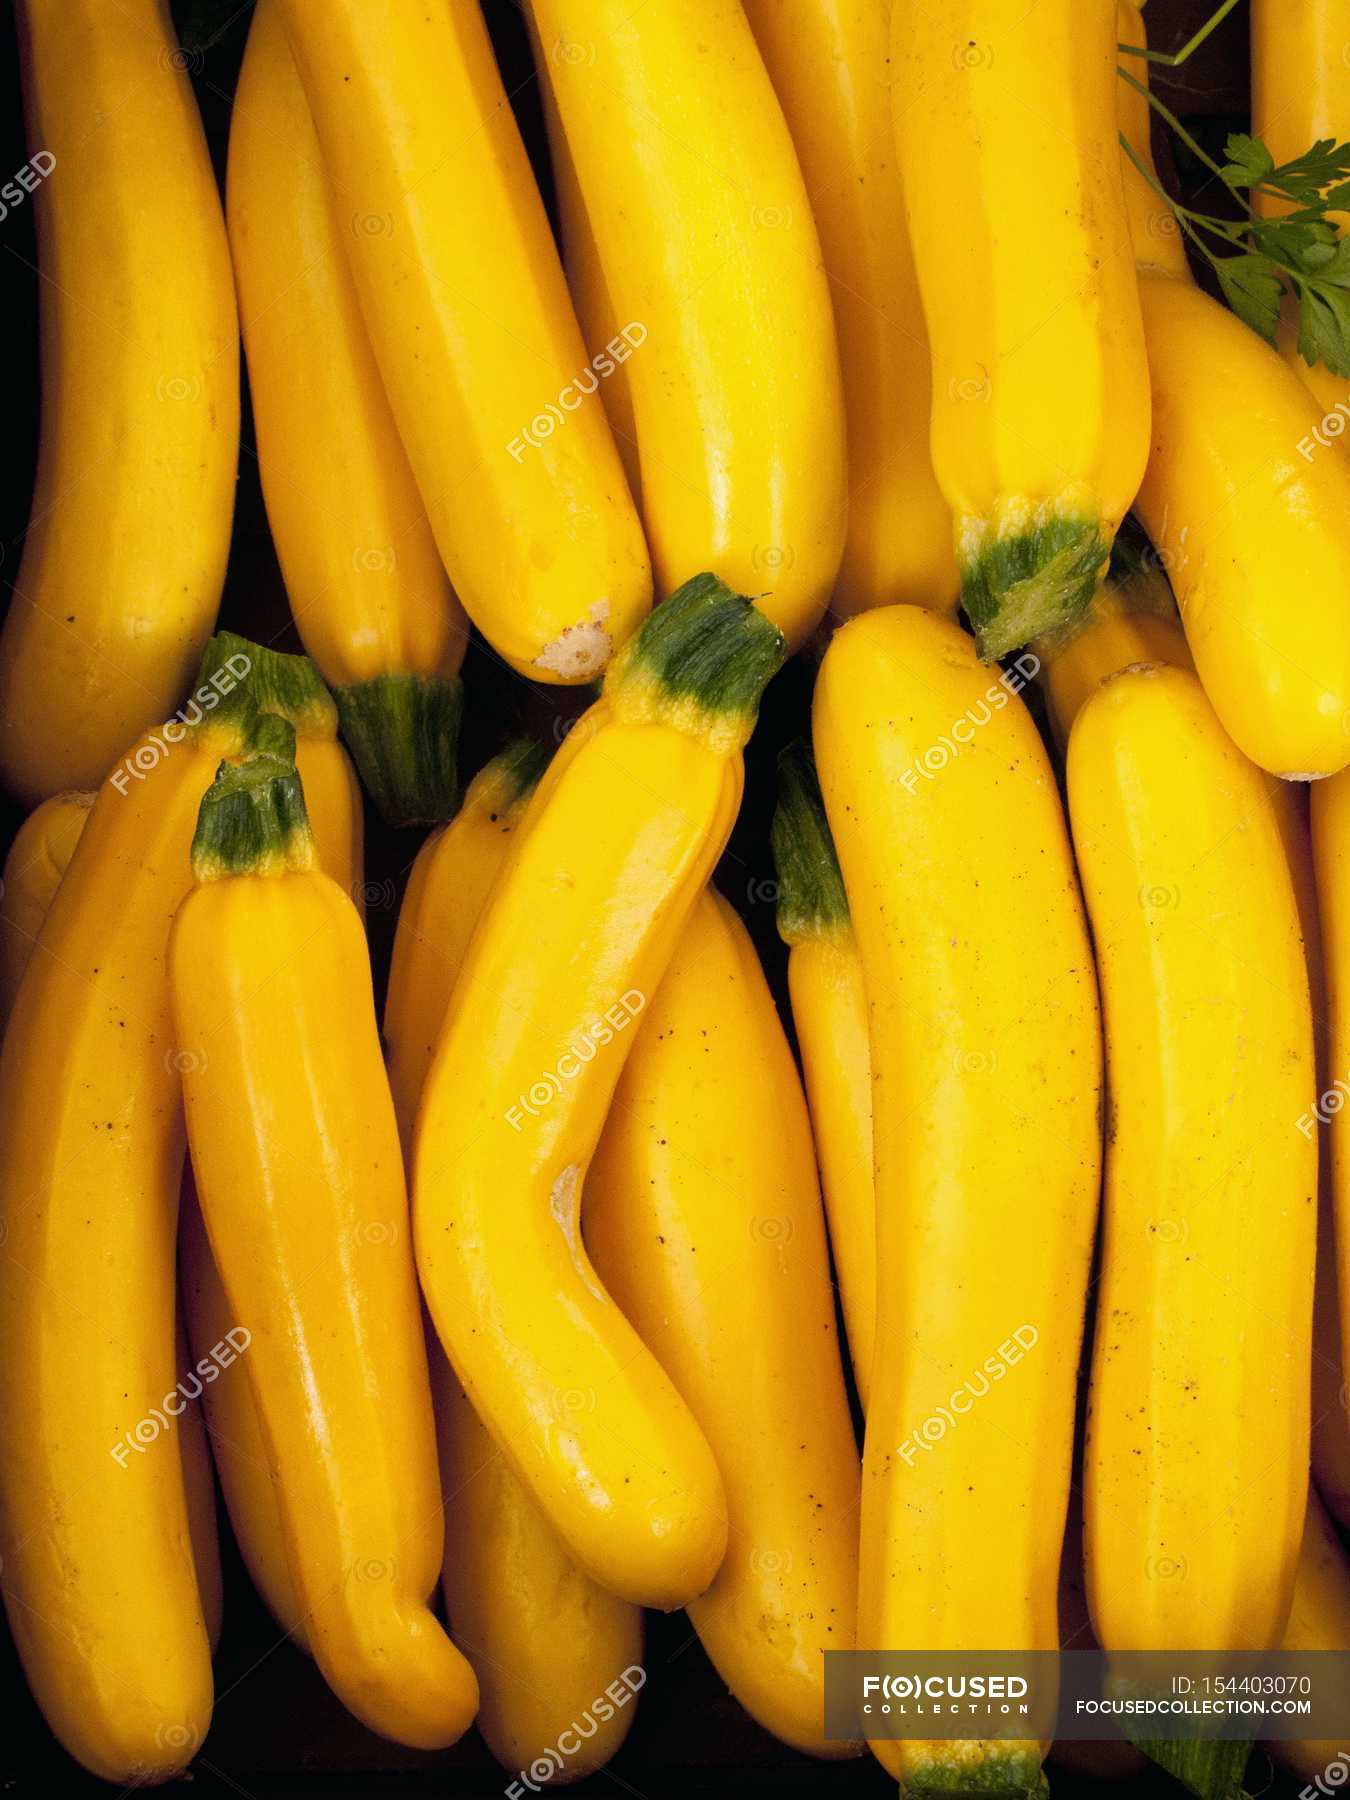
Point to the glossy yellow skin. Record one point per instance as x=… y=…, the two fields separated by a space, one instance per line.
x=336 y=815
x=586 y=279
x=365 y=581
x=1040 y=386
x=282 y=1081
x=446 y=892
x=37 y=861
x=42 y=848
x=1131 y=622
x=703 y=1217
x=1319 y=1619
x=829 y=1010
x=99 y=1577
x=1197 y=1448
x=1121 y=629
x=618 y=842
x=236 y=1435
x=470 y=321
x=333 y=800
x=1300 y=93
x=736 y=392
x=825 y=59
x=986 y=1063
x=1155 y=234
x=545 y=1640
x=1251 y=531
x=124 y=559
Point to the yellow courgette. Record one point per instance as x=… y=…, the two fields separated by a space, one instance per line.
x=370 y=598
x=232 y=1420
x=469 y=318
x=703 y=1218
x=296 y=1157
x=125 y=553
x=1301 y=94
x=705 y=235
x=1319 y=1619
x=618 y=842
x=1132 y=619
x=546 y=1642
x=446 y=892
x=1247 y=513
x=829 y=1010
x=986 y=1065
x=1197 y=1447
x=1006 y=131
x=99 y=1579
x=1155 y=235
x=824 y=58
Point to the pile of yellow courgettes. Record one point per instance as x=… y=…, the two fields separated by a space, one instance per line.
x=524 y=1287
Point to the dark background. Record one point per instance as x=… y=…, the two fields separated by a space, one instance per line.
x=277 y=1729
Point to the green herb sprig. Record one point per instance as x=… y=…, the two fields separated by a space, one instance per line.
x=1299 y=251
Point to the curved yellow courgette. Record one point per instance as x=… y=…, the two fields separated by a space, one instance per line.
x=1248 y=514
x=125 y=553
x=1197 y=1448
x=986 y=1063
x=703 y=1217
x=705 y=235
x=469 y=318
x=296 y=1157
x=617 y=844
x=829 y=1010
x=370 y=598
x=1006 y=131
x=446 y=893
x=545 y=1641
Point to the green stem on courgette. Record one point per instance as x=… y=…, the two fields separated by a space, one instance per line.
x=1019 y=586
x=403 y=731
x=505 y=782
x=1212 y=1770
x=811 y=897
x=700 y=661
x=991 y=1770
x=252 y=819
x=237 y=680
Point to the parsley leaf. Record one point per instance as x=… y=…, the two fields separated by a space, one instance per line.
x=1249 y=161
x=1251 y=286
x=1324 y=327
